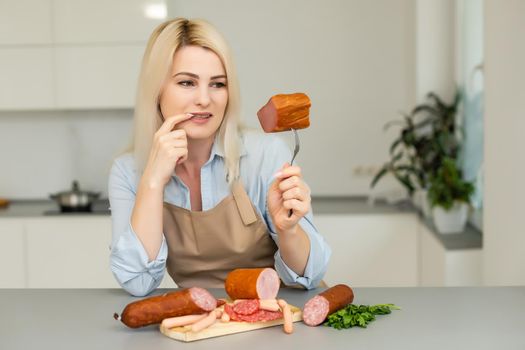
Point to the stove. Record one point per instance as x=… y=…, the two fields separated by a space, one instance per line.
x=99 y=207
x=65 y=213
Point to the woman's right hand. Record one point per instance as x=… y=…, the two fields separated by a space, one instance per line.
x=168 y=149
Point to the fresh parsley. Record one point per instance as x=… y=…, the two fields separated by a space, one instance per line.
x=358 y=315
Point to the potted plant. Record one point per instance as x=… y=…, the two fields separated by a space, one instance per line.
x=449 y=195
x=427 y=135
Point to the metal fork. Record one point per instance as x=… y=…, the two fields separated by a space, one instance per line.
x=295 y=151
x=297 y=145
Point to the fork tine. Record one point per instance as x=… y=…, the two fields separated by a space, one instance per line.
x=297 y=145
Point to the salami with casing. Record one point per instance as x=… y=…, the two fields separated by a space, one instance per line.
x=153 y=310
x=317 y=309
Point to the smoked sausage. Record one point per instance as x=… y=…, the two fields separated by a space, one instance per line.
x=317 y=309
x=258 y=283
x=153 y=310
x=285 y=112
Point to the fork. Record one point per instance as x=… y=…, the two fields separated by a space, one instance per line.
x=295 y=151
x=297 y=145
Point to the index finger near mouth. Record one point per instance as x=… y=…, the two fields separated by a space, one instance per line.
x=170 y=122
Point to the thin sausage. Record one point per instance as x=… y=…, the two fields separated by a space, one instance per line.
x=269 y=304
x=287 y=315
x=153 y=310
x=181 y=320
x=205 y=322
x=317 y=309
x=225 y=317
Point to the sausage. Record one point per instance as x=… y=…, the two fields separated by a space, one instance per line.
x=269 y=304
x=287 y=315
x=317 y=309
x=181 y=320
x=284 y=112
x=153 y=310
x=258 y=283
x=205 y=322
x=225 y=317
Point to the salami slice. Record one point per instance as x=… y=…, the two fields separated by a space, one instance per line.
x=317 y=309
x=257 y=316
x=246 y=307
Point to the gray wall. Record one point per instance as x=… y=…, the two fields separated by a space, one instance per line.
x=355 y=59
x=503 y=233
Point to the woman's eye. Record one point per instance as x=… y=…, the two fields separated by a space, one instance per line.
x=218 y=85
x=186 y=83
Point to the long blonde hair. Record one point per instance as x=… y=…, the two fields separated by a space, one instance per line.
x=165 y=40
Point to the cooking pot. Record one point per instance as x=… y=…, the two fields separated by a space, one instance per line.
x=75 y=199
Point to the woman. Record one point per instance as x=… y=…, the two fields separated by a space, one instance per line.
x=197 y=195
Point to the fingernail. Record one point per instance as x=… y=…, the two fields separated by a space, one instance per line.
x=278 y=174
x=189 y=115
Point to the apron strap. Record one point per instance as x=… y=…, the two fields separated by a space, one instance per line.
x=244 y=204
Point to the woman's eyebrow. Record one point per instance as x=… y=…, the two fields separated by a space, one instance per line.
x=193 y=75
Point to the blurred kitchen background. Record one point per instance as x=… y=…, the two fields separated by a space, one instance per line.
x=68 y=72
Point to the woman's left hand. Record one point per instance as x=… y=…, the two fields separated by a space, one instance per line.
x=288 y=191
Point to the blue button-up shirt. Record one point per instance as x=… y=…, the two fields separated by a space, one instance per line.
x=262 y=155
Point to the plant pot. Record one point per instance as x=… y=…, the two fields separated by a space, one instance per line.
x=452 y=220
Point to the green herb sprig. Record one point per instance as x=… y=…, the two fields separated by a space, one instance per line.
x=358 y=315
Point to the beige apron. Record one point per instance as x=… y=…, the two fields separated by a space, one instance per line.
x=203 y=246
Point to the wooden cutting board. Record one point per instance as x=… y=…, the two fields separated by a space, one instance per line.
x=225 y=328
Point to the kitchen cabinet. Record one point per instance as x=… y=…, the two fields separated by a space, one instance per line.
x=25 y=22
x=26 y=78
x=101 y=21
x=12 y=254
x=78 y=54
x=371 y=250
x=97 y=77
x=69 y=252
x=442 y=267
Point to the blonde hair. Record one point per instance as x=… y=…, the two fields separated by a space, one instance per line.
x=157 y=62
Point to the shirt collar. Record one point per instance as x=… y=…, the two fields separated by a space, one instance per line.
x=217 y=149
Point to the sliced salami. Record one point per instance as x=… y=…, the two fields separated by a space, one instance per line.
x=246 y=307
x=317 y=309
x=257 y=316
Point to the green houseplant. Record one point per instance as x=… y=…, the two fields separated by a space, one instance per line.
x=424 y=158
x=427 y=135
x=449 y=195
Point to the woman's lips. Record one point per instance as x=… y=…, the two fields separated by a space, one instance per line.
x=200 y=118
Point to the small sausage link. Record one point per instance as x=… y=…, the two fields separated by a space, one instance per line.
x=181 y=320
x=205 y=322
x=269 y=304
x=287 y=315
x=225 y=317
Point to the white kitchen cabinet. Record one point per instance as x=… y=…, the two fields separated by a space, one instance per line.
x=100 y=21
x=376 y=250
x=26 y=78
x=69 y=252
x=25 y=22
x=442 y=267
x=97 y=77
x=12 y=254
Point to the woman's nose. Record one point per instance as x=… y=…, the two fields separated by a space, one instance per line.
x=203 y=96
